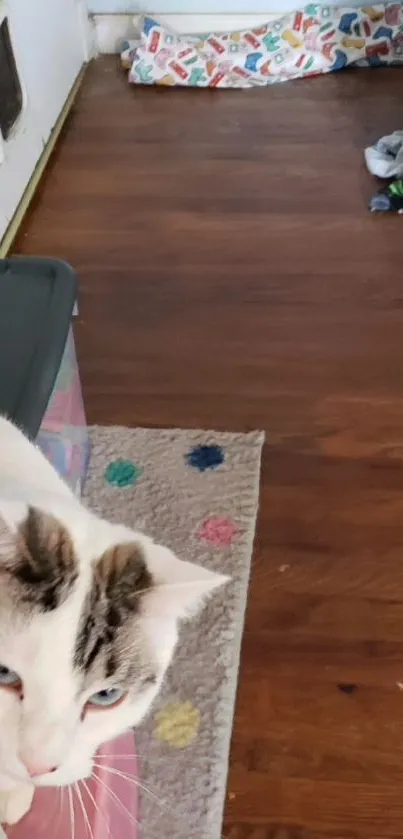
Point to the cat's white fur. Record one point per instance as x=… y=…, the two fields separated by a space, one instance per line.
x=46 y=726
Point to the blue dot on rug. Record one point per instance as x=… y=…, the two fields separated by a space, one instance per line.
x=205 y=457
x=122 y=473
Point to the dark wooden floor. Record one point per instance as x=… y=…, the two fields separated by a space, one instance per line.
x=231 y=277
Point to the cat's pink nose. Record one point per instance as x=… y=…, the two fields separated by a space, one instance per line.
x=36 y=769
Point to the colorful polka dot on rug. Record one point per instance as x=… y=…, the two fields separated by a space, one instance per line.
x=177 y=724
x=123 y=473
x=203 y=457
x=218 y=530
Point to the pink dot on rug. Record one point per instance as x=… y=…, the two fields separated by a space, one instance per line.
x=218 y=530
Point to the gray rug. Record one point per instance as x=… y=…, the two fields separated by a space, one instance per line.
x=197 y=492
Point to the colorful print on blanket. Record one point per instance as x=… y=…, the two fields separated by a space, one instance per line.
x=316 y=39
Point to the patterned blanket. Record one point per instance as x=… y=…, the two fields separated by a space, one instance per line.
x=316 y=39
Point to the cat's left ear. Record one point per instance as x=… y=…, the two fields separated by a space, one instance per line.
x=38 y=554
x=180 y=588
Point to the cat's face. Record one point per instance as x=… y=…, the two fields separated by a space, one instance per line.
x=88 y=626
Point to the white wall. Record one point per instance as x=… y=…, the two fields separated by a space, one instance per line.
x=217 y=7
x=191 y=6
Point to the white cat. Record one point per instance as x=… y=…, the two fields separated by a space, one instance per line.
x=89 y=615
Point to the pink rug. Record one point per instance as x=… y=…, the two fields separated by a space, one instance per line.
x=104 y=807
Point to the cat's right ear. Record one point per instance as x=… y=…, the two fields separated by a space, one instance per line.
x=180 y=588
x=12 y=514
x=8 y=541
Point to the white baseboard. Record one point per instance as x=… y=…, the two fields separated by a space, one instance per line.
x=111 y=30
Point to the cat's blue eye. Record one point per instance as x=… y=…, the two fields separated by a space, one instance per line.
x=8 y=677
x=107 y=698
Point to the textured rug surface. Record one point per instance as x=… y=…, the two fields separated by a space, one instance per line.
x=196 y=492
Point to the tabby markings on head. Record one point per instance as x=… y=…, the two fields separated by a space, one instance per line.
x=45 y=564
x=120 y=578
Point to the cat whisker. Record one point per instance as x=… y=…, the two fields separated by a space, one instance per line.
x=124 y=808
x=144 y=756
x=132 y=779
x=117 y=800
x=112 y=756
x=84 y=811
x=71 y=805
x=121 y=757
x=135 y=781
x=61 y=807
x=97 y=809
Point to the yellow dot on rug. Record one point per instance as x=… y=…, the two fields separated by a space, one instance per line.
x=177 y=724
